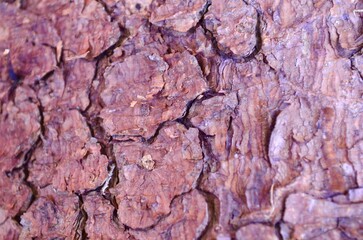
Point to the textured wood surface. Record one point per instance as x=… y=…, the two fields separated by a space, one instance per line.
x=199 y=119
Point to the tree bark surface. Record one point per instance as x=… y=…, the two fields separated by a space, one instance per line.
x=163 y=119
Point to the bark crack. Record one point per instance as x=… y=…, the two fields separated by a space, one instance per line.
x=81 y=221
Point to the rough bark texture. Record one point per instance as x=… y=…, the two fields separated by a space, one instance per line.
x=200 y=119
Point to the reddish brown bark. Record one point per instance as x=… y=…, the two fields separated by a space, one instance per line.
x=201 y=119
